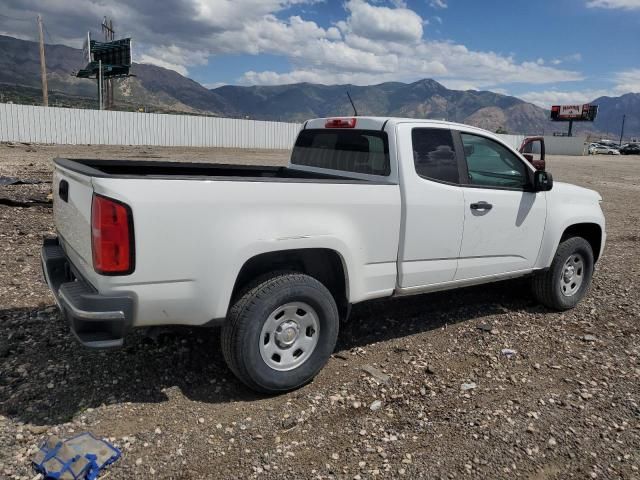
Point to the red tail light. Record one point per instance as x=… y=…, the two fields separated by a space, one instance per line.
x=111 y=236
x=340 y=123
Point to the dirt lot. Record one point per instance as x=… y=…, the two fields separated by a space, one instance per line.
x=565 y=406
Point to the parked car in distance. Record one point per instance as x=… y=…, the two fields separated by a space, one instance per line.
x=367 y=208
x=595 y=149
x=630 y=149
x=607 y=143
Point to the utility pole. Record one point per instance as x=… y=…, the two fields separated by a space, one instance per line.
x=43 y=66
x=622 y=129
x=109 y=35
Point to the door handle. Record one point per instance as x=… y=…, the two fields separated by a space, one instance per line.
x=481 y=206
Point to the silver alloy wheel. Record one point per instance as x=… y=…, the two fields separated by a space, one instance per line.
x=289 y=336
x=572 y=275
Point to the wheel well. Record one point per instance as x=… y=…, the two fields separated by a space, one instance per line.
x=323 y=264
x=591 y=232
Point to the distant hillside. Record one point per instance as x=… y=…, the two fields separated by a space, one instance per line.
x=610 y=111
x=163 y=90
x=424 y=99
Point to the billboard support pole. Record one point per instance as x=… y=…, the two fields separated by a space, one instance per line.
x=570 y=128
x=622 y=129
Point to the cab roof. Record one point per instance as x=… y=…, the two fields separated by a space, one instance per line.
x=378 y=123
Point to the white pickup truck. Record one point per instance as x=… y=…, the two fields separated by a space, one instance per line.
x=367 y=208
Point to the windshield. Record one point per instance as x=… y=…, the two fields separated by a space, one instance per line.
x=356 y=151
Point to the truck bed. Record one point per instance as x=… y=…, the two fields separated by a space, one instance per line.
x=195 y=225
x=193 y=171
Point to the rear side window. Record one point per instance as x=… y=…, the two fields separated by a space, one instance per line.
x=433 y=154
x=356 y=151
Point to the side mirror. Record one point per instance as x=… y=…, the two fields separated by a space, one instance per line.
x=528 y=156
x=542 y=181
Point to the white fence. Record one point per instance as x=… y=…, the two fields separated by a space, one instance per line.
x=71 y=126
x=514 y=141
x=564 y=145
x=553 y=145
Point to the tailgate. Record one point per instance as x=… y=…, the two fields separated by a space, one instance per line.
x=72 y=196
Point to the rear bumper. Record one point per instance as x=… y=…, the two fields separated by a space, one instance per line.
x=97 y=321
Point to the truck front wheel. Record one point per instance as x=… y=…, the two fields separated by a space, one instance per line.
x=281 y=332
x=568 y=279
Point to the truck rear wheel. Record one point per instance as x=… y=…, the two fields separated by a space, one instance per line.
x=281 y=332
x=568 y=279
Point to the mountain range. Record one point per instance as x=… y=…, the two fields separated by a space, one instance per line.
x=162 y=90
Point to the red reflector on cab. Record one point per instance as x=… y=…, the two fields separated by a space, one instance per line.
x=111 y=236
x=340 y=123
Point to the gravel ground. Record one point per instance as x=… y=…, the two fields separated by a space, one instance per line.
x=417 y=388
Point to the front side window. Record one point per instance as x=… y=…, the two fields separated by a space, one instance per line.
x=491 y=164
x=434 y=156
x=356 y=151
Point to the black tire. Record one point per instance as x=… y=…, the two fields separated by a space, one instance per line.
x=548 y=285
x=242 y=332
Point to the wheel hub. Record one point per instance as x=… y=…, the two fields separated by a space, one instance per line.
x=287 y=333
x=289 y=336
x=572 y=275
x=569 y=273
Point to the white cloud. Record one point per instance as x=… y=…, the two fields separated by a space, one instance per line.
x=546 y=98
x=365 y=62
x=187 y=24
x=358 y=56
x=574 y=57
x=382 y=23
x=373 y=43
x=621 y=4
x=233 y=14
x=624 y=82
x=173 y=57
x=151 y=60
x=438 y=4
x=628 y=81
x=460 y=84
x=213 y=85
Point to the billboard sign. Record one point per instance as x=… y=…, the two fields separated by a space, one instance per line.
x=115 y=57
x=577 y=113
x=570 y=111
x=117 y=52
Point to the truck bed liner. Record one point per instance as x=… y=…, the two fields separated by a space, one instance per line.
x=194 y=171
